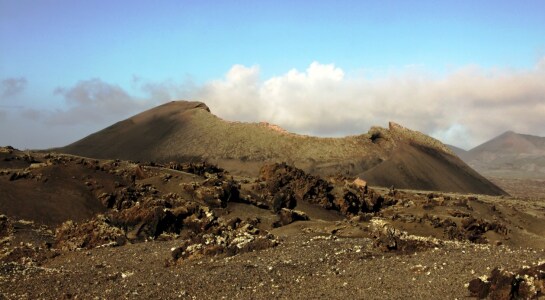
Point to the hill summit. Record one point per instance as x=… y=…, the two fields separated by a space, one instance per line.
x=188 y=131
x=509 y=155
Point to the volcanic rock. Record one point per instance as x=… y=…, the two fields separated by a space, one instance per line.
x=288 y=184
x=288 y=216
x=91 y=234
x=527 y=283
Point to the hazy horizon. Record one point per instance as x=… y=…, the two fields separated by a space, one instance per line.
x=461 y=72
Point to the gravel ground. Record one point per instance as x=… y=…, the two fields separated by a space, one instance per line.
x=334 y=254
x=304 y=265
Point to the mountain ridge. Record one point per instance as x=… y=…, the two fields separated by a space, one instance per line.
x=187 y=130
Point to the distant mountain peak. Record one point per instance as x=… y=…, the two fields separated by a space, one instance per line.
x=510 y=154
x=508 y=132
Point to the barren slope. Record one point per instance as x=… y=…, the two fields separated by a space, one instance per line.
x=184 y=131
x=47 y=192
x=510 y=155
x=193 y=231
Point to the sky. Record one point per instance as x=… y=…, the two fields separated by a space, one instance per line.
x=460 y=71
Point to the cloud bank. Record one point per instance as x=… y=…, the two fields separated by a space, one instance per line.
x=464 y=107
x=89 y=106
x=10 y=87
x=93 y=101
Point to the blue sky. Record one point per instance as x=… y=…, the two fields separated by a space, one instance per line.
x=54 y=45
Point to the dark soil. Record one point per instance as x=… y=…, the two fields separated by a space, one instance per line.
x=175 y=230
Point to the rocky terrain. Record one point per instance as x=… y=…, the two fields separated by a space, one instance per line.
x=76 y=227
x=187 y=131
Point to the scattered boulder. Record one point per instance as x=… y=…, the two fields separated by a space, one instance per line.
x=469 y=229
x=288 y=216
x=6 y=227
x=293 y=182
x=282 y=186
x=201 y=168
x=375 y=202
x=95 y=233
x=215 y=191
x=139 y=172
x=350 y=203
x=126 y=196
x=284 y=198
x=356 y=198
x=141 y=222
x=388 y=238
x=7 y=149
x=213 y=196
x=20 y=175
x=107 y=199
x=475 y=229
x=37 y=165
x=360 y=183
x=228 y=238
x=27 y=254
x=526 y=283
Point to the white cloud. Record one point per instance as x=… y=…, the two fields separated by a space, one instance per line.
x=465 y=107
x=94 y=101
x=236 y=96
x=90 y=105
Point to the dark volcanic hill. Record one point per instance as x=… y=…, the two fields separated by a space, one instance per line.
x=184 y=131
x=510 y=155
